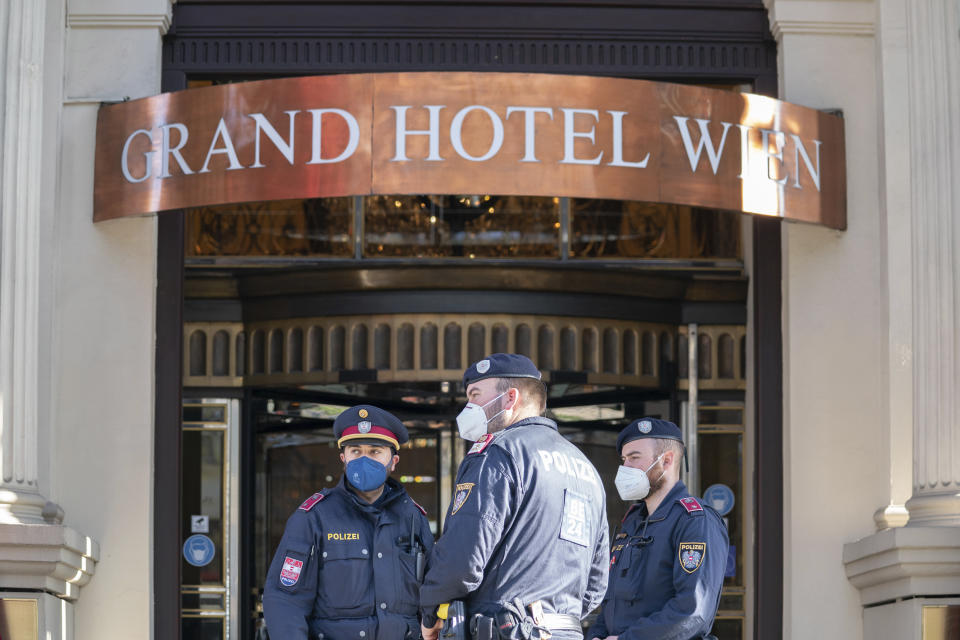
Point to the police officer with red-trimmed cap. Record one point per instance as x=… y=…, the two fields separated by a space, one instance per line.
x=525 y=539
x=669 y=557
x=348 y=563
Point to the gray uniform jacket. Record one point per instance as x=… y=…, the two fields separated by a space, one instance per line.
x=528 y=521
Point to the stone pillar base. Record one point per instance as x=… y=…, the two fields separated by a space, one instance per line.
x=916 y=619
x=31 y=615
x=940 y=509
x=46 y=557
x=903 y=563
x=21 y=506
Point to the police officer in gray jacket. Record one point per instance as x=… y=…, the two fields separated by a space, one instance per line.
x=348 y=561
x=527 y=523
x=668 y=559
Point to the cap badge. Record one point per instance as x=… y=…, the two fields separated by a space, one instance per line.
x=364 y=426
x=362 y=413
x=645 y=426
x=483 y=366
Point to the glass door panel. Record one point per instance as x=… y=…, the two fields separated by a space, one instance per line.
x=208 y=520
x=299 y=456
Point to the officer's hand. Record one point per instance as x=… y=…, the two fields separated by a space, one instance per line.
x=431 y=633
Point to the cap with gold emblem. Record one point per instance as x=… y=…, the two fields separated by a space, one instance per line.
x=366 y=424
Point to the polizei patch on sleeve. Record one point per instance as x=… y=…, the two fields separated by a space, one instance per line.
x=460 y=497
x=290 y=573
x=575 y=525
x=691 y=555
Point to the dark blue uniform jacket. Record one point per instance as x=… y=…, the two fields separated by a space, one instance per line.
x=528 y=521
x=341 y=570
x=666 y=572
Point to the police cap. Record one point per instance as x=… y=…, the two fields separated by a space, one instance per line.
x=648 y=428
x=366 y=424
x=501 y=365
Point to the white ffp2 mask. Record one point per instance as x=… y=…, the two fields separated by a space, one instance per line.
x=472 y=421
x=633 y=484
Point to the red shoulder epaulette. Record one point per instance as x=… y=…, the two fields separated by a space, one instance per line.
x=312 y=500
x=422 y=510
x=690 y=504
x=481 y=444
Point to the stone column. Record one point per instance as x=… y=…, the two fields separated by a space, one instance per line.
x=21 y=59
x=933 y=47
x=902 y=572
x=39 y=556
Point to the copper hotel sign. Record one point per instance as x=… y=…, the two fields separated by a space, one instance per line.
x=467 y=133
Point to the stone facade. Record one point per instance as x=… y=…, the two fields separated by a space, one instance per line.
x=871 y=323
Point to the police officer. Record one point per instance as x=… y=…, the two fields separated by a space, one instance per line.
x=668 y=559
x=348 y=561
x=527 y=522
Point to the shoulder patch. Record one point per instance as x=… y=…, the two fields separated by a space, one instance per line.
x=290 y=573
x=481 y=444
x=691 y=555
x=422 y=510
x=691 y=505
x=460 y=497
x=312 y=500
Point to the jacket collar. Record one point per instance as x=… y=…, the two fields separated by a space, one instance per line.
x=392 y=490
x=678 y=491
x=535 y=420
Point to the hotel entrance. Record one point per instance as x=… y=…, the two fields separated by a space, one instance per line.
x=295 y=310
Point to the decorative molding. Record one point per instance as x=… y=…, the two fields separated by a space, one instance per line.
x=891 y=516
x=356 y=54
x=159 y=21
x=904 y=562
x=823 y=28
x=821 y=17
x=47 y=557
x=695 y=40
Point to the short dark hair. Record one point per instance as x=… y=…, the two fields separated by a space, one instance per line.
x=668 y=444
x=533 y=392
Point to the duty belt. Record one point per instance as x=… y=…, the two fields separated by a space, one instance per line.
x=561 y=622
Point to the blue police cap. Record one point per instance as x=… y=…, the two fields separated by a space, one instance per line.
x=501 y=365
x=648 y=428
x=366 y=424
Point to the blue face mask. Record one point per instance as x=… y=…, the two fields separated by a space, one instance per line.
x=366 y=474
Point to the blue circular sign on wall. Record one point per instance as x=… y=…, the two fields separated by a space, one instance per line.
x=199 y=550
x=719 y=497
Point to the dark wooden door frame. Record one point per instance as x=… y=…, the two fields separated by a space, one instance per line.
x=675 y=40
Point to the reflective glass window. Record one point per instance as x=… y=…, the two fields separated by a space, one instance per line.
x=320 y=227
x=628 y=229
x=464 y=226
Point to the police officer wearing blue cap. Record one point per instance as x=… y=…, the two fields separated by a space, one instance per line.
x=668 y=559
x=526 y=531
x=348 y=563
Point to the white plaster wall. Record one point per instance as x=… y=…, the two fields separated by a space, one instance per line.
x=102 y=324
x=835 y=351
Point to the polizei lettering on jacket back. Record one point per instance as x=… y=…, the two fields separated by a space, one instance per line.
x=561 y=463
